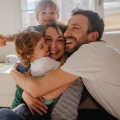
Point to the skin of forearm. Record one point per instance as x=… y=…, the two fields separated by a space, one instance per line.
x=56 y=93
x=9 y=38
x=42 y=86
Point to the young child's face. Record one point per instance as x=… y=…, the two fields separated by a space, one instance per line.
x=47 y=16
x=41 y=50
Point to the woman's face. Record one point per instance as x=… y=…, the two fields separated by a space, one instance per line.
x=55 y=42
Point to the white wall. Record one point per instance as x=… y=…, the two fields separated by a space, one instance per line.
x=112 y=38
x=10 y=16
x=10 y=23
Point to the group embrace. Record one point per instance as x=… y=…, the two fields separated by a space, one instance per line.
x=58 y=61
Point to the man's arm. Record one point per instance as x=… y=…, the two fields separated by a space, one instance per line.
x=56 y=93
x=42 y=86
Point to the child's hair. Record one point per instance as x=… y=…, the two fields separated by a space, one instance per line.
x=25 y=43
x=45 y=3
x=59 y=27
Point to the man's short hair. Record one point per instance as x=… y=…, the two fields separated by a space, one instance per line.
x=96 y=22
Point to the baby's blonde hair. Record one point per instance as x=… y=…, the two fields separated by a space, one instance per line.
x=25 y=43
x=45 y=3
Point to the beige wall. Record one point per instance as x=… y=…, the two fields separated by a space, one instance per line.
x=10 y=23
x=112 y=38
x=10 y=16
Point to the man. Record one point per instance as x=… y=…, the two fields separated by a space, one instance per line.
x=92 y=59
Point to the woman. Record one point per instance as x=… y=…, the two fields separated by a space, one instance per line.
x=56 y=46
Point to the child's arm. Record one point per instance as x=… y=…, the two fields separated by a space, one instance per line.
x=57 y=92
x=6 y=38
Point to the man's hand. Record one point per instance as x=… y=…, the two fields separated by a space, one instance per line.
x=34 y=104
x=2 y=41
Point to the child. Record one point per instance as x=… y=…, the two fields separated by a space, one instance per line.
x=47 y=12
x=32 y=50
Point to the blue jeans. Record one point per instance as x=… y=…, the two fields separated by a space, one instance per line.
x=7 y=114
x=23 y=113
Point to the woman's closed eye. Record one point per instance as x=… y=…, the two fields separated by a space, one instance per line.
x=48 y=39
x=60 y=40
x=42 y=46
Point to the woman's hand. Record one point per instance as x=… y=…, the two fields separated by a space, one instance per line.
x=34 y=104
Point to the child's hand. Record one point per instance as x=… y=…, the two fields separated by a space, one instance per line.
x=2 y=41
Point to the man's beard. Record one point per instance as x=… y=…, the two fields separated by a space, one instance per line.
x=78 y=44
x=72 y=50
